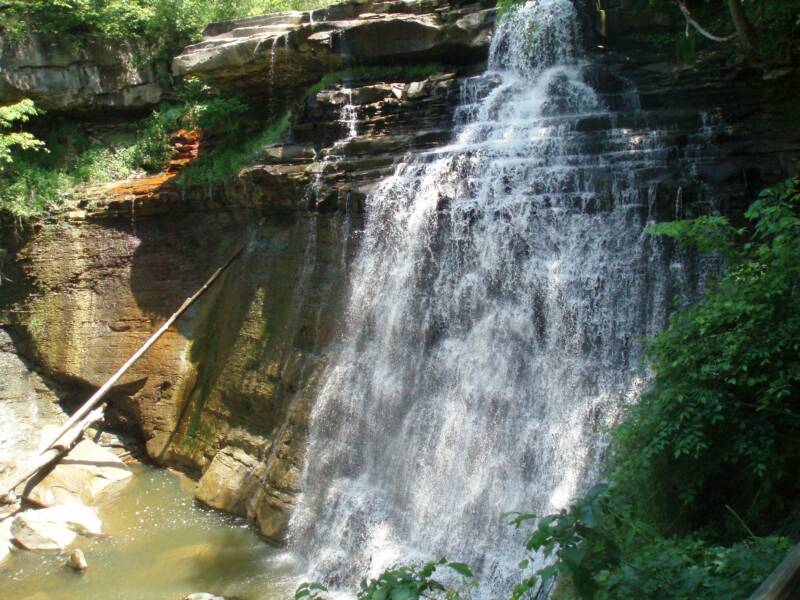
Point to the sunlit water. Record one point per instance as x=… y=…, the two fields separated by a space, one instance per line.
x=159 y=546
x=498 y=304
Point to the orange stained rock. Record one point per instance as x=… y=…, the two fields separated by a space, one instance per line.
x=186 y=145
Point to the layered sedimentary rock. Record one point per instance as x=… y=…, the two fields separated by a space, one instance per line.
x=225 y=395
x=68 y=77
x=292 y=50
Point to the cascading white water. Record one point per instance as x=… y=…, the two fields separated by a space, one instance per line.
x=501 y=292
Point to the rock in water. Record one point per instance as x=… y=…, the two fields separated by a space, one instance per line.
x=203 y=596
x=5 y=538
x=86 y=474
x=34 y=534
x=77 y=561
x=54 y=528
x=229 y=473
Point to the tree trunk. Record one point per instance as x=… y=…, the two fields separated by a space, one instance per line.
x=745 y=32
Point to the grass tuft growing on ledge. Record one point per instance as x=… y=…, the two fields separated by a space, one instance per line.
x=231 y=154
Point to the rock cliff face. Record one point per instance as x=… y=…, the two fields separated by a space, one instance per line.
x=293 y=50
x=225 y=396
x=65 y=77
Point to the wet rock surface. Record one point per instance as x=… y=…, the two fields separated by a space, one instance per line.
x=26 y=404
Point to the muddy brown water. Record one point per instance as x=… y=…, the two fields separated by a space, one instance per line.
x=158 y=545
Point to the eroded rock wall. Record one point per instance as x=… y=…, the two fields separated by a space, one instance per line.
x=64 y=76
x=226 y=394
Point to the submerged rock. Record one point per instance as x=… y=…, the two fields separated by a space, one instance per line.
x=54 y=528
x=84 y=476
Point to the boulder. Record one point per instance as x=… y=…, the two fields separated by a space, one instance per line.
x=225 y=484
x=54 y=528
x=83 y=477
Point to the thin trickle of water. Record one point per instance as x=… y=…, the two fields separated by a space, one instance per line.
x=272 y=61
x=349 y=115
x=499 y=298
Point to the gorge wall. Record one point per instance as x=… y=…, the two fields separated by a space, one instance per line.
x=226 y=395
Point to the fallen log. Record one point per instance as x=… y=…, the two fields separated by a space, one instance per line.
x=98 y=395
x=67 y=441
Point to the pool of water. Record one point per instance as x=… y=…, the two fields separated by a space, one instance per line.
x=159 y=545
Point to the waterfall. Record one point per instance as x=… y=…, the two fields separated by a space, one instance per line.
x=498 y=304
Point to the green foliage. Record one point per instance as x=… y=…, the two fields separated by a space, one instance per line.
x=153 y=149
x=688 y=568
x=165 y=26
x=310 y=591
x=573 y=537
x=404 y=583
x=33 y=182
x=233 y=152
x=721 y=422
x=411 y=583
x=11 y=116
x=504 y=6
x=605 y=554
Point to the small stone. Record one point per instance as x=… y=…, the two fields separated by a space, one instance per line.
x=202 y=596
x=77 y=561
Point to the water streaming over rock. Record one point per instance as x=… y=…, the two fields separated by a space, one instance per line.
x=502 y=289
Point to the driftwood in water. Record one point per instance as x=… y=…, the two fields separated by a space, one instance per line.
x=98 y=395
x=67 y=441
x=784 y=583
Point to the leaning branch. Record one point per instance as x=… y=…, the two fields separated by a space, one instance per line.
x=98 y=395
x=704 y=32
